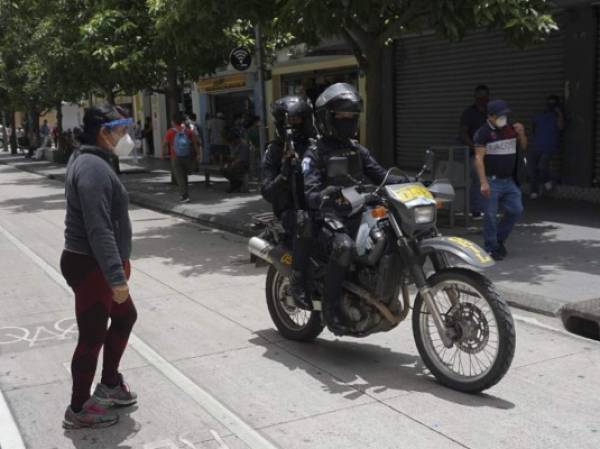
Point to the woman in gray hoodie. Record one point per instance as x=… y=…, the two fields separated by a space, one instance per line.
x=95 y=263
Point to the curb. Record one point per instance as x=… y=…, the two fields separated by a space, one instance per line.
x=525 y=301
x=212 y=221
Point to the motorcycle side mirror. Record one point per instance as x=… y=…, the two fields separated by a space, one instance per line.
x=442 y=190
x=337 y=167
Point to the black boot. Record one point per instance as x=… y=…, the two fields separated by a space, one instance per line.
x=298 y=290
x=332 y=292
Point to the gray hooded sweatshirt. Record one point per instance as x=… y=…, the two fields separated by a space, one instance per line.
x=97 y=221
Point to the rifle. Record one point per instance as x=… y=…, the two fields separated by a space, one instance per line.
x=289 y=153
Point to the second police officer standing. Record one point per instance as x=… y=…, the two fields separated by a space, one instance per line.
x=337 y=118
x=283 y=187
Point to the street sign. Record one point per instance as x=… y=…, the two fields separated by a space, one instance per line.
x=240 y=58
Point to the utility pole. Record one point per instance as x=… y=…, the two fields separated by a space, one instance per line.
x=262 y=94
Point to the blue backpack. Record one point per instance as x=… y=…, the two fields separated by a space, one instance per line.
x=183 y=144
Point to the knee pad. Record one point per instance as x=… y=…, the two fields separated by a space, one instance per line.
x=341 y=249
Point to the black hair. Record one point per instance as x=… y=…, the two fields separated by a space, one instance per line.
x=93 y=119
x=193 y=116
x=482 y=87
x=553 y=97
x=178 y=118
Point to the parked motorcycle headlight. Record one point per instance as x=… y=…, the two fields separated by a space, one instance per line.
x=424 y=214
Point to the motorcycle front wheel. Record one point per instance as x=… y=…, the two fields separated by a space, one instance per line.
x=485 y=340
x=291 y=321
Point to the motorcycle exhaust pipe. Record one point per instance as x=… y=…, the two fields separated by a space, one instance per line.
x=261 y=248
x=278 y=256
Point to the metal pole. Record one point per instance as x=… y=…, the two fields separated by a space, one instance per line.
x=262 y=94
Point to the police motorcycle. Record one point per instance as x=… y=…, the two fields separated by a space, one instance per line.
x=463 y=329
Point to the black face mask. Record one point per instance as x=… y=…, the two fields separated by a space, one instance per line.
x=345 y=128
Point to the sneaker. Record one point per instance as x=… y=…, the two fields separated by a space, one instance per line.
x=92 y=416
x=185 y=199
x=534 y=196
x=548 y=186
x=119 y=396
x=502 y=250
x=496 y=255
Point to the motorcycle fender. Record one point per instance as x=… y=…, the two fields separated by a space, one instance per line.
x=464 y=249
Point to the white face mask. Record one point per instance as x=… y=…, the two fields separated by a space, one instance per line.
x=501 y=121
x=124 y=146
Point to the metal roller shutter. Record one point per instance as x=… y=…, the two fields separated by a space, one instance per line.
x=435 y=81
x=596 y=175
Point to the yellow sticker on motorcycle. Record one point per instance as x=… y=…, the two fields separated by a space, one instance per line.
x=475 y=249
x=410 y=192
x=286 y=259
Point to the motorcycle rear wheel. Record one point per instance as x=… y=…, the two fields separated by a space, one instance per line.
x=292 y=322
x=485 y=345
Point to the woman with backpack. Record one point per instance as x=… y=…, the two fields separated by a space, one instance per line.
x=181 y=145
x=95 y=264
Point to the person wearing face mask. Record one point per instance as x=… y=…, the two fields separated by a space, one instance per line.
x=547 y=127
x=495 y=158
x=473 y=118
x=337 y=113
x=95 y=264
x=282 y=183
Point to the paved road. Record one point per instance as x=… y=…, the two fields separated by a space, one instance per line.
x=212 y=372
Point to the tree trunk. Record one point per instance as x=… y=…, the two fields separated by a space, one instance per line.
x=13 y=133
x=4 y=133
x=34 y=129
x=374 y=104
x=110 y=96
x=59 y=117
x=171 y=91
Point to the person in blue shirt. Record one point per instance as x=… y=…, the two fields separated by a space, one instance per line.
x=547 y=127
x=495 y=159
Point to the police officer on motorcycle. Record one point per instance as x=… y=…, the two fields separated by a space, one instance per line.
x=337 y=118
x=283 y=184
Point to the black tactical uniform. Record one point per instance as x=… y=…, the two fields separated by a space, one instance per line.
x=337 y=112
x=283 y=184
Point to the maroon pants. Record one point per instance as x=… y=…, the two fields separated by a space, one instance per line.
x=94 y=305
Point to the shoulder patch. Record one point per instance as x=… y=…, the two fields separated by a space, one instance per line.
x=306 y=164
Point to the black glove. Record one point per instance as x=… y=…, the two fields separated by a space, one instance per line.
x=286 y=167
x=372 y=199
x=398 y=179
x=330 y=196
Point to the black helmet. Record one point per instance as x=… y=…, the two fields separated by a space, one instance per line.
x=289 y=107
x=340 y=97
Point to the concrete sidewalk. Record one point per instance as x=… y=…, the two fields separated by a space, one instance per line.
x=553 y=253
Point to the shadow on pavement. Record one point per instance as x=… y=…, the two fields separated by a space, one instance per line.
x=353 y=369
x=539 y=250
x=193 y=249
x=111 y=437
x=35 y=204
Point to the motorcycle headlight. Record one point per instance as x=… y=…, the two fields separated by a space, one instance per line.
x=424 y=214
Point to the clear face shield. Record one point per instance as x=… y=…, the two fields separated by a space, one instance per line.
x=122 y=134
